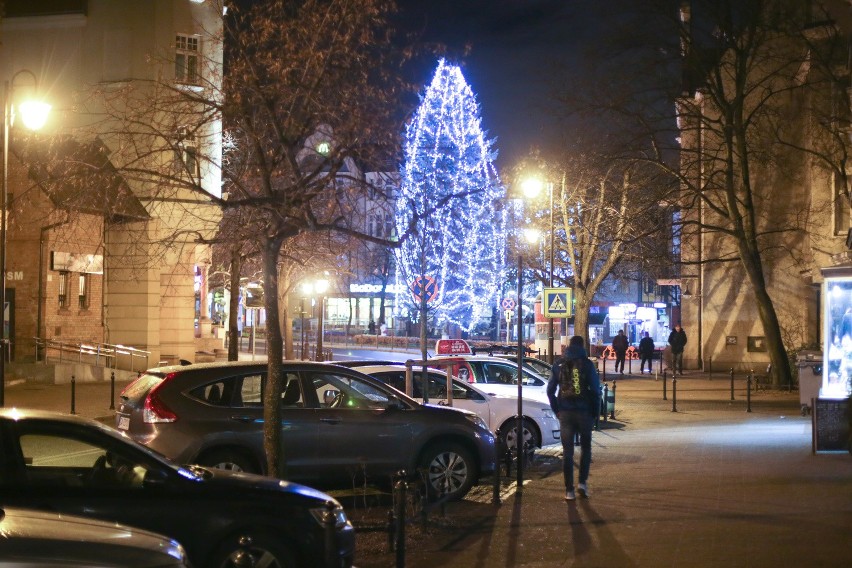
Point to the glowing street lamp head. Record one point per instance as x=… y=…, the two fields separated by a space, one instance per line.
x=532 y=187
x=321 y=286
x=34 y=113
x=531 y=235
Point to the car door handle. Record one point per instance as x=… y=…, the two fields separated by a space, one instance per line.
x=332 y=420
x=243 y=419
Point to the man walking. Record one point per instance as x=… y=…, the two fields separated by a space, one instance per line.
x=574 y=391
x=619 y=345
x=646 y=353
x=677 y=340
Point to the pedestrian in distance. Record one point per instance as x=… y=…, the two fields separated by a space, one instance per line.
x=646 y=353
x=677 y=340
x=620 y=345
x=574 y=392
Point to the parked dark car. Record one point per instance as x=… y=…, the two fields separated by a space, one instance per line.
x=70 y=465
x=39 y=539
x=339 y=425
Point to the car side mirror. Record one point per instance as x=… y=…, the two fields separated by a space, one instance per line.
x=155 y=478
x=328 y=396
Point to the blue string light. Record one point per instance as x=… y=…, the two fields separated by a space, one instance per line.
x=449 y=182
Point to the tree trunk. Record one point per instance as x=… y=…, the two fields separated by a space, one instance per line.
x=272 y=440
x=581 y=316
x=781 y=372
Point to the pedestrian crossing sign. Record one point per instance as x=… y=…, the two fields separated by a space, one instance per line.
x=557 y=302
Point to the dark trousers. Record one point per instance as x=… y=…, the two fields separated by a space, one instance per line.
x=619 y=361
x=572 y=423
x=650 y=360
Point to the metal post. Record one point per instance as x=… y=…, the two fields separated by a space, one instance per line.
x=732 y=383
x=319 y=327
x=550 y=356
x=495 y=493
x=112 y=390
x=520 y=421
x=605 y=400
x=612 y=411
x=3 y=199
x=73 y=395
x=664 y=384
x=748 y=393
x=399 y=513
x=674 y=394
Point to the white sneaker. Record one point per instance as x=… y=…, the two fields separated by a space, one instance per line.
x=584 y=490
x=569 y=495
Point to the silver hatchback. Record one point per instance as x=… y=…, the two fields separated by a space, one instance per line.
x=339 y=426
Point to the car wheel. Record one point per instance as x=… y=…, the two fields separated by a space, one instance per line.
x=229 y=460
x=253 y=550
x=509 y=434
x=449 y=471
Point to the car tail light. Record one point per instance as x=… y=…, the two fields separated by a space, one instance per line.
x=155 y=410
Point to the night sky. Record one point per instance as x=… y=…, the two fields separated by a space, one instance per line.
x=517 y=54
x=509 y=51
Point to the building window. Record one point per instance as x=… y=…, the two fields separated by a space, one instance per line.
x=186 y=59
x=84 y=291
x=64 y=281
x=841 y=207
x=186 y=152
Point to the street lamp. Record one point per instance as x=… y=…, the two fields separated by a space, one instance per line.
x=318 y=287
x=34 y=115
x=531 y=235
x=531 y=188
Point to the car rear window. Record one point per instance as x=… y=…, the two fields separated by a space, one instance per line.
x=139 y=388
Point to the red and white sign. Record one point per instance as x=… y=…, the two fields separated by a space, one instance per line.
x=453 y=347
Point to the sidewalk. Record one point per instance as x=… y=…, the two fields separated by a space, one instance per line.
x=710 y=485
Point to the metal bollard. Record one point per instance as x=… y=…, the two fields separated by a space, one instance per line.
x=605 y=400
x=630 y=365
x=329 y=525
x=399 y=498
x=390 y=529
x=112 y=390
x=732 y=383
x=674 y=394
x=748 y=393
x=73 y=395
x=664 y=385
x=495 y=489
x=612 y=411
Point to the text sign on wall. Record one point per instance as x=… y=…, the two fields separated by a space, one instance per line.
x=77 y=262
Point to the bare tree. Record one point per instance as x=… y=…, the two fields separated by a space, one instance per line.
x=311 y=93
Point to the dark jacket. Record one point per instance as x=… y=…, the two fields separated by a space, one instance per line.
x=677 y=339
x=646 y=346
x=619 y=343
x=558 y=403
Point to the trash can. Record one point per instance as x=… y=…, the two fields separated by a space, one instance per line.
x=809 y=367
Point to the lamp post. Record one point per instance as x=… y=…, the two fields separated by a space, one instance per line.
x=532 y=187
x=318 y=287
x=34 y=115
x=531 y=236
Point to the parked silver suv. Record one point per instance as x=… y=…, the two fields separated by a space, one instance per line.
x=338 y=425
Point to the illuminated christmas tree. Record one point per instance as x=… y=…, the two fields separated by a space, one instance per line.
x=452 y=205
